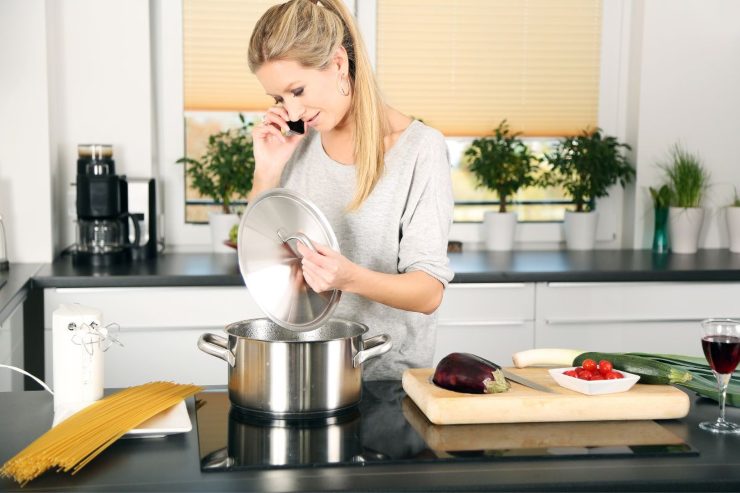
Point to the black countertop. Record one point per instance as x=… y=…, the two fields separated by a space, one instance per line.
x=205 y=269
x=173 y=464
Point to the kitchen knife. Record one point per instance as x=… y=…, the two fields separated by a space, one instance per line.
x=526 y=382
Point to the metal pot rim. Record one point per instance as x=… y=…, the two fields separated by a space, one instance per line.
x=266 y=330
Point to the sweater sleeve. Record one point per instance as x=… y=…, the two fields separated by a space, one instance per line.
x=425 y=223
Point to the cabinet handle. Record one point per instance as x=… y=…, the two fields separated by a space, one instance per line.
x=498 y=285
x=479 y=323
x=583 y=321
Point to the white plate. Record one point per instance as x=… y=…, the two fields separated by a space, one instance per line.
x=594 y=387
x=168 y=422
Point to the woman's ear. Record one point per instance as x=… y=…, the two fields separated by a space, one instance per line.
x=341 y=60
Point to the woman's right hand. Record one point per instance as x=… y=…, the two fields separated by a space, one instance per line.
x=272 y=149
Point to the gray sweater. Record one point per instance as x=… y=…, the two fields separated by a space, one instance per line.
x=402 y=226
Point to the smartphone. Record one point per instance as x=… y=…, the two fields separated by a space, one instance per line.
x=296 y=128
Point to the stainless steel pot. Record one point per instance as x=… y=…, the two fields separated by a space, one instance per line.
x=280 y=372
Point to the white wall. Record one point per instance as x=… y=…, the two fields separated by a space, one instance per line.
x=100 y=90
x=679 y=81
x=689 y=91
x=25 y=177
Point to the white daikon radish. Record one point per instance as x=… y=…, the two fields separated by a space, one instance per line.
x=545 y=357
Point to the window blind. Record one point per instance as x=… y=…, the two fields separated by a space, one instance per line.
x=215 y=42
x=463 y=66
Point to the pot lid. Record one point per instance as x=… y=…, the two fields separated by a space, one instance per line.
x=271 y=265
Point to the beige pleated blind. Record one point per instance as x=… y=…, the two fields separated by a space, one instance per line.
x=463 y=66
x=216 y=37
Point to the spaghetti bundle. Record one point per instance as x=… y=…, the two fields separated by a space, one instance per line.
x=80 y=438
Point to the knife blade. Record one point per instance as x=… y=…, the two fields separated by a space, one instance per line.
x=526 y=382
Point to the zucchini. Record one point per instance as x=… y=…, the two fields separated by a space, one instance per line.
x=650 y=371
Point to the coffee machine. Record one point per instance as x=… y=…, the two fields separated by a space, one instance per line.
x=105 y=226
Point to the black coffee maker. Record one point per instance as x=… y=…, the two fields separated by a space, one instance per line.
x=104 y=223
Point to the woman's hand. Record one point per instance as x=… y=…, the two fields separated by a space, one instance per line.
x=327 y=269
x=271 y=148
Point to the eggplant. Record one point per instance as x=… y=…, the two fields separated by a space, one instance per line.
x=471 y=374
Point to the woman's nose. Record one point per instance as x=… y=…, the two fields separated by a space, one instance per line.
x=295 y=110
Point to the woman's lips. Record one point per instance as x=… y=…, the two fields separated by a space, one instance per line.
x=312 y=120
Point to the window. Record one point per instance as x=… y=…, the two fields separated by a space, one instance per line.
x=460 y=67
x=217 y=81
x=464 y=67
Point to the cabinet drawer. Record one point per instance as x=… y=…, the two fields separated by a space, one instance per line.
x=646 y=337
x=159 y=307
x=587 y=303
x=493 y=342
x=488 y=303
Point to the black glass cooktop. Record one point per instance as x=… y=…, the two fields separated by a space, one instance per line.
x=388 y=427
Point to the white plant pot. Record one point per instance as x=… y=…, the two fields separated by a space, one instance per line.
x=221 y=224
x=733 y=226
x=500 y=229
x=580 y=230
x=684 y=225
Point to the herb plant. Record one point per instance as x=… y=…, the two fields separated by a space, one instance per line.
x=502 y=163
x=226 y=169
x=687 y=176
x=586 y=166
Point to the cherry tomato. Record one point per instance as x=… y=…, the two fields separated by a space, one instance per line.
x=605 y=366
x=590 y=365
x=585 y=375
x=597 y=376
x=571 y=373
x=613 y=375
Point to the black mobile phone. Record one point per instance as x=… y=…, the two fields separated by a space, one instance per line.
x=296 y=128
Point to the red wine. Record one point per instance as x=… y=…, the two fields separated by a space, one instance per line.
x=722 y=352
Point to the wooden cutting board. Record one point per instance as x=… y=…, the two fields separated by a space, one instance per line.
x=524 y=405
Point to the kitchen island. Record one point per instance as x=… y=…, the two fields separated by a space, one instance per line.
x=173 y=463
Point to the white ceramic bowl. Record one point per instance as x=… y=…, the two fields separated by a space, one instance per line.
x=595 y=387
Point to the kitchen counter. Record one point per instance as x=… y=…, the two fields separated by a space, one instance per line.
x=172 y=463
x=205 y=269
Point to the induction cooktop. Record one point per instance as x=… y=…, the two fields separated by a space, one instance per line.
x=387 y=427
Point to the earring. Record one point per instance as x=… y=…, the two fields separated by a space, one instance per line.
x=340 y=85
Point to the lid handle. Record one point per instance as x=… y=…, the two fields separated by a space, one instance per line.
x=298 y=237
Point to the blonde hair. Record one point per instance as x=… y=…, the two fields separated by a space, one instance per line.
x=310 y=33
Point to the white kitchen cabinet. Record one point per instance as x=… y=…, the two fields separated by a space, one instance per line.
x=11 y=350
x=648 y=317
x=490 y=320
x=159 y=329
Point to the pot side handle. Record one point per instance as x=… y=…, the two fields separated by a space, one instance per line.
x=216 y=346
x=374 y=346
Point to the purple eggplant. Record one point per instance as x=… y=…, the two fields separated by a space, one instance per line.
x=471 y=374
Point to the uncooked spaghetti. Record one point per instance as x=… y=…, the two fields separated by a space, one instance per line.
x=77 y=440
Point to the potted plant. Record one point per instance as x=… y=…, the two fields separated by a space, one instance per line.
x=688 y=180
x=661 y=201
x=733 y=223
x=503 y=164
x=224 y=173
x=586 y=166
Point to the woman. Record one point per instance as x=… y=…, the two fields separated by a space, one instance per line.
x=381 y=178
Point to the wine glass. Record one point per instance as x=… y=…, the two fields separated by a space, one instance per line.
x=721 y=344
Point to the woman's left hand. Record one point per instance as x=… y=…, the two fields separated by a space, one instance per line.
x=327 y=269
